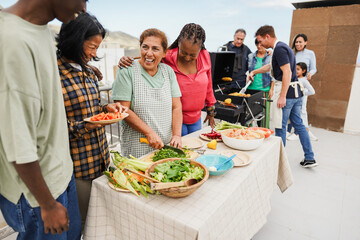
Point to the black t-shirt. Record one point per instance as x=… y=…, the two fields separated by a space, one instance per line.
x=240 y=62
x=283 y=55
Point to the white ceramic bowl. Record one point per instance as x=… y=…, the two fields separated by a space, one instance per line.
x=240 y=144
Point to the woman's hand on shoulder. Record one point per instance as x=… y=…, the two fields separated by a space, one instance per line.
x=97 y=72
x=176 y=141
x=308 y=76
x=125 y=62
x=269 y=52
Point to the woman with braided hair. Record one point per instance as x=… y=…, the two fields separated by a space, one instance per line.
x=191 y=63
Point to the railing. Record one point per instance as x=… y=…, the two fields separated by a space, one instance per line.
x=111 y=129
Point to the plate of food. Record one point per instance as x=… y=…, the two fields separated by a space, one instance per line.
x=240 y=160
x=242 y=139
x=191 y=142
x=211 y=136
x=106 y=118
x=168 y=153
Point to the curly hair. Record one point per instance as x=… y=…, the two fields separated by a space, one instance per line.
x=191 y=31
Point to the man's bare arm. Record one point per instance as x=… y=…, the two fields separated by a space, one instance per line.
x=263 y=69
x=286 y=78
x=53 y=213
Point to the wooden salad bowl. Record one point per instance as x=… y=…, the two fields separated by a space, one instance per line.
x=179 y=192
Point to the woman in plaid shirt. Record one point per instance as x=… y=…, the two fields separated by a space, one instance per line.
x=77 y=44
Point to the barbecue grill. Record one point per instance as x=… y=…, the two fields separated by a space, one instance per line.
x=246 y=109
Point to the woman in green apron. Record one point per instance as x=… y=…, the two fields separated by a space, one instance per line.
x=151 y=92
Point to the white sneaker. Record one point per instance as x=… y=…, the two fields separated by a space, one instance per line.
x=288 y=134
x=312 y=136
x=293 y=137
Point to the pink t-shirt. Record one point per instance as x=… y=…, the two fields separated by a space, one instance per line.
x=196 y=89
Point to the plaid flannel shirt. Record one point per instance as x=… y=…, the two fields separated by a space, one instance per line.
x=89 y=148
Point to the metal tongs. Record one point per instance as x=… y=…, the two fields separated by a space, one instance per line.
x=243 y=90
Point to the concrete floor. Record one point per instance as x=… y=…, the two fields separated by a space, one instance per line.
x=324 y=202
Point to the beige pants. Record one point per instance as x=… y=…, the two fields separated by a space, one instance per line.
x=275 y=111
x=83 y=188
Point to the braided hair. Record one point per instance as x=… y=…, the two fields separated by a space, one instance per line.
x=191 y=31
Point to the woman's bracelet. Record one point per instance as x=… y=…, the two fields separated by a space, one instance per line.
x=211 y=111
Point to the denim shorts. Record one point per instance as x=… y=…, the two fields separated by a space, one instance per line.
x=27 y=220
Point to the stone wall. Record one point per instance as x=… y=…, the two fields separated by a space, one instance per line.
x=334 y=35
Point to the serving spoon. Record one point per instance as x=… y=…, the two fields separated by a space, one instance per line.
x=217 y=166
x=159 y=186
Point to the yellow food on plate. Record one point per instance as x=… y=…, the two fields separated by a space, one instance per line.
x=144 y=140
x=228 y=101
x=240 y=94
x=212 y=144
x=228 y=79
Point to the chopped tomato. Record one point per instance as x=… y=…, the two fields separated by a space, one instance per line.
x=106 y=116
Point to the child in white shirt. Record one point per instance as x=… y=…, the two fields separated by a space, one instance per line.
x=301 y=70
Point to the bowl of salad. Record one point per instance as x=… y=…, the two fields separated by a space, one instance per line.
x=242 y=139
x=178 y=170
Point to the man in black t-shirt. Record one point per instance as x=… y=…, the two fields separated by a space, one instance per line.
x=290 y=95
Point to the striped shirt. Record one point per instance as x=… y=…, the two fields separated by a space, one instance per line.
x=89 y=148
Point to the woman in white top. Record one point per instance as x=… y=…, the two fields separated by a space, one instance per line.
x=302 y=54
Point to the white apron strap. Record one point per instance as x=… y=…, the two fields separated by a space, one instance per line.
x=275 y=112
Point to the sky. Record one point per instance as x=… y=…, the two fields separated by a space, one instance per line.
x=219 y=18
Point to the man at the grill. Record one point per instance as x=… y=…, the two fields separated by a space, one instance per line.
x=287 y=91
x=241 y=56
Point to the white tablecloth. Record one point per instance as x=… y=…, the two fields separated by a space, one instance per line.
x=230 y=206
